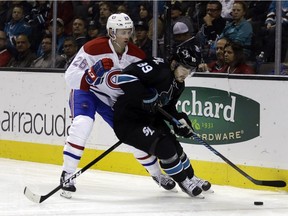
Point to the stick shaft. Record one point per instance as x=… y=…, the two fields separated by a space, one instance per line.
x=40 y=198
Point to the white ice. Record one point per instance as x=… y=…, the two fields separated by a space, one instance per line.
x=107 y=194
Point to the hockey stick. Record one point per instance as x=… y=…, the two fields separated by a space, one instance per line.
x=271 y=183
x=40 y=198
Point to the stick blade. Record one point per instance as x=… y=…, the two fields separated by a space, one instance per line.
x=270 y=183
x=276 y=183
x=31 y=196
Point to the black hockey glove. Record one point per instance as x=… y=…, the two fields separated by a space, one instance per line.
x=151 y=102
x=185 y=129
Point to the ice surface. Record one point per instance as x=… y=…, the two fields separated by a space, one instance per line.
x=107 y=194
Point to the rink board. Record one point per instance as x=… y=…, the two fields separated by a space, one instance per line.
x=244 y=118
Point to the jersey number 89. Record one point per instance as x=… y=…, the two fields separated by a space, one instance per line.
x=145 y=67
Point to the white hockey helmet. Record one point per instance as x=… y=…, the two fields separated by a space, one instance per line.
x=118 y=21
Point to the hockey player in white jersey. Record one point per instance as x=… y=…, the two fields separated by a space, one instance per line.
x=90 y=94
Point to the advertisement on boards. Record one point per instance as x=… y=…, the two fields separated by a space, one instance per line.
x=219 y=116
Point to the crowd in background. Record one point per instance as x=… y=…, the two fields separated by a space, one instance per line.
x=26 y=29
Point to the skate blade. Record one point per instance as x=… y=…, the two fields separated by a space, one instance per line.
x=200 y=196
x=210 y=191
x=66 y=194
x=173 y=190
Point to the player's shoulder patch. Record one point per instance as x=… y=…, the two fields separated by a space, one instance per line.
x=133 y=50
x=97 y=46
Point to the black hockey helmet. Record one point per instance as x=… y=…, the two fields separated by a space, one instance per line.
x=188 y=57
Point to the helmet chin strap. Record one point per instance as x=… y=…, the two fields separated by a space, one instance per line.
x=114 y=42
x=113 y=39
x=117 y=44
x=112 y=35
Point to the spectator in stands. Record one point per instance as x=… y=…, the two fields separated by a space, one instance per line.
x=17 y=25
x=60 y=36
x=105 y=10
x=211 y=29
x=26 y=5
x=218 y=65
x=227 y=6
x=178 y=16
x=123 y=8
x=257 y=11
x=141 y=37
x=24 y=56
x=46 y=61
x=256 y=15
x=271 y=15
x=65 y=12
x=145 y=14
x=182 y=36
x=214 y=24
x=3 y=14
x=37 y=19
x=94 y=11
x=196 y=10
x=70 y=50
x=81 y=8
x=239 y=30
x=5 y=55
x=132 y=12
x=235 y=59
x=94 y=29
x=269 y=40
x=79 y=31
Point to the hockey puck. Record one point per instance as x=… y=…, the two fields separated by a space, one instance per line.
x=258 y=203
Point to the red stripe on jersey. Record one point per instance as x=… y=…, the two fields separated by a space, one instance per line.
x=100 y=45
x=71 y=103
x=76 y=146
x=133 y=50
x=97 y=46
x=144 y=158
x=83 y=84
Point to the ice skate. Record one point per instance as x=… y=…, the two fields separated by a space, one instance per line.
x=203 y=184
x=165 y=181
x=188 y=186
x=68 y=187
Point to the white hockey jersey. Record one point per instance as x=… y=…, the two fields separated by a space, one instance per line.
x=92 y=52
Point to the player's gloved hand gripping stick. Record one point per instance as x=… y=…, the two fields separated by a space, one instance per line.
x=271 y=183
x=96 y=72
x=183 y=129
